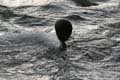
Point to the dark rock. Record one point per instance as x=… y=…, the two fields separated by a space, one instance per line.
x=75 y=17
x=85 y=3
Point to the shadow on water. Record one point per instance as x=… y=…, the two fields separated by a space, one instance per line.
x=6 y=13
x=30 y=21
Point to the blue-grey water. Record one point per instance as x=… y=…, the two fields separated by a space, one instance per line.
x=29 y=46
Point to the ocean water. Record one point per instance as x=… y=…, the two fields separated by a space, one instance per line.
x=29 y=45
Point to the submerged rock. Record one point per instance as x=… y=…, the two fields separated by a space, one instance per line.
x=85 y=3
x=75 y=17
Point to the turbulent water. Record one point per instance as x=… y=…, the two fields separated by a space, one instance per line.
x=28 y=43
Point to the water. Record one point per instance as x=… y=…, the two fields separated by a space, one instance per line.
x=16 y=3
x=93 y=49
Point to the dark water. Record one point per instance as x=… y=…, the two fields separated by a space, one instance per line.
x=28 y=44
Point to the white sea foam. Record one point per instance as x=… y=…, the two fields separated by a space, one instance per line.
x=14 y=3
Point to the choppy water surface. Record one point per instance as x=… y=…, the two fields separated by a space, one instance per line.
x=93 y=50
